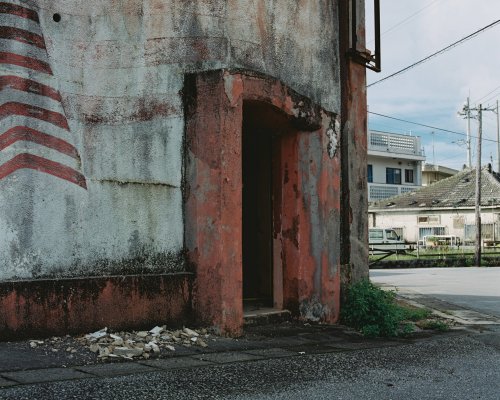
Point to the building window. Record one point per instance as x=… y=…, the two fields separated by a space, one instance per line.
x=431 y=231
x=370 y=173
x=393 y=175
x=408 y=175
x=428 y=219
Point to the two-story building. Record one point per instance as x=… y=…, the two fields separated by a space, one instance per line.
x=394 y=164
x=432 y=173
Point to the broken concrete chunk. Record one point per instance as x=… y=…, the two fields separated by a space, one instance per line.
x=97 y=335
x=142 y=334
x=190 y=332
x=156 y=330
x=94 y=347
x=127 y=352
x=103 y=352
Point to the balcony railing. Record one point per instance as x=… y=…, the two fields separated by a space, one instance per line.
x=377 y=191
x=394 y=143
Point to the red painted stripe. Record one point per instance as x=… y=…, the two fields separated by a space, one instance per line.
x=41 y=164
x=29 y=86
x=27 y=110
x=23 y=133
x=21 y=35
x=14 y=9
x=23 y=61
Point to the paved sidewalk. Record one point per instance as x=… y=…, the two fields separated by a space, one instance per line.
x=22 y=365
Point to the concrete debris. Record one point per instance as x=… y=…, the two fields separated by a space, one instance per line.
x=156 y=330
x=126 y=345
x=190 y=332
x=143 y=344
x=97 y=335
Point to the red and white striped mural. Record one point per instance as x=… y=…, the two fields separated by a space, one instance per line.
x=34 y=131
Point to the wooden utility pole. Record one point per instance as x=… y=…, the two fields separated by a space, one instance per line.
x=498 y=140
x=478 y=188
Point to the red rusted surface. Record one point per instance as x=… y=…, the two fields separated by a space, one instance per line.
x=57 y=307
x=354 y=149
x=306 y=205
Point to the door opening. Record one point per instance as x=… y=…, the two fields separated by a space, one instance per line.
x=257 y=212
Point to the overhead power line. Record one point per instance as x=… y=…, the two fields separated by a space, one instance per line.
x=429 y=126
x=487 y=94
x=407 y=19
x=437 y=53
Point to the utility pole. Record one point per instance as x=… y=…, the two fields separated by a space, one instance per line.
x=466 y=114
x=478 y=187
x=498 y=140
x=433 y=155
x=469 y=157
x=479 y=110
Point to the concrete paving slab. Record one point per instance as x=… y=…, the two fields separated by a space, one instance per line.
x=6 y=383
x=313 y=348
x=116 y=369
x=45 y=375
x=287 y=341
x=177 y=362
x=227 y=357
x=361 y=345
x=272 y=353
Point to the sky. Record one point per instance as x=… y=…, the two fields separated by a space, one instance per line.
x=434 y=91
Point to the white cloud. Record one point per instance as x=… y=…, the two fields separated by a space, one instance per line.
x=433 y=92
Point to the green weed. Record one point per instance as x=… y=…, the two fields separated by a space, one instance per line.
x=372 y=310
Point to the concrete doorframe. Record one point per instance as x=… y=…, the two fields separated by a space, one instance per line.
x=306 y=236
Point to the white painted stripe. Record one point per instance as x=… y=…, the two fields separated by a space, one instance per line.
x=23 y=49
x=33 y=123
x=38 y=150
x=8 y=95
x=16 y=21
x=29 y=4
x=41 y=77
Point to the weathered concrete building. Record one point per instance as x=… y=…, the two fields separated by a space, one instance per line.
x=161 y=160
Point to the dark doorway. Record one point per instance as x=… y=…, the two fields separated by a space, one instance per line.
x=257 y=171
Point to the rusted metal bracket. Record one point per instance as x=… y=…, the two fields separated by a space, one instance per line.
x=365 y=56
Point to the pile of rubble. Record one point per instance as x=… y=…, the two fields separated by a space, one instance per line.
x=135 y=344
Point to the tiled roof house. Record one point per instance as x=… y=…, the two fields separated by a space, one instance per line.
x=446 y=207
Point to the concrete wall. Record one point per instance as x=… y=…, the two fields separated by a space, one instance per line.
x=119 y=67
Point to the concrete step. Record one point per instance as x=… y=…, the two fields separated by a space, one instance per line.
x=263 y=316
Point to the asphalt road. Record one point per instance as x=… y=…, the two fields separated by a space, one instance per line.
x=474 y=288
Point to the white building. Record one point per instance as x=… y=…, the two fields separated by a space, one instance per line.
x=431 y=173
x=446 y=207
x=394 y=164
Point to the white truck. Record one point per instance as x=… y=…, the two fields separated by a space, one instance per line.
x=387 y=241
